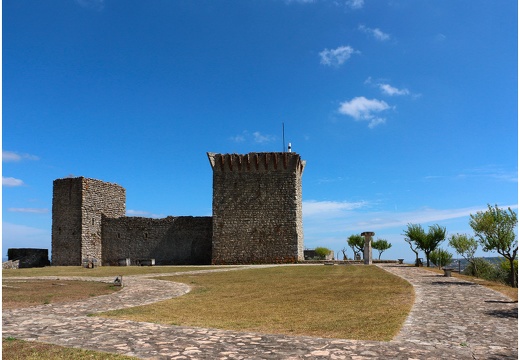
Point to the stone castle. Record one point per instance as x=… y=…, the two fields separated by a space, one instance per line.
x=257 y=218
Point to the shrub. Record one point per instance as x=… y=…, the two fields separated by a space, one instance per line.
x=441 y=257
x=322 y=252
x=483 y=269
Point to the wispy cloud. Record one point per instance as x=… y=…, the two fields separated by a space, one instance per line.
x=11 y=182
x=490 y=172
x=388 y=89
x=376 y=33
x=22 y=236
x=11 y=156
x=329 y=208
x=263 y=138
x=29 y=210
x=362 y=109
x=336 y=57
x=329 y=217
x=355 y=4
x=141 y=213
x=256 y=137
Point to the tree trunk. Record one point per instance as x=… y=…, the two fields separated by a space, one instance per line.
x=512 y=273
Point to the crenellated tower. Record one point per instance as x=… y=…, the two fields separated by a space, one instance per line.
x=257 y=207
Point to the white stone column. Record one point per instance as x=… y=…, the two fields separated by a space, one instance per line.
x=367 y=251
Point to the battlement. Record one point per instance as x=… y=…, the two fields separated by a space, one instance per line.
x=257 y=162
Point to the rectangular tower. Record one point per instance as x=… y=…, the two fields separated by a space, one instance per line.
x=78 y=206
x=257 y=208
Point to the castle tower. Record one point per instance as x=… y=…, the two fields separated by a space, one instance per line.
x=257 y=208
x=78 y=205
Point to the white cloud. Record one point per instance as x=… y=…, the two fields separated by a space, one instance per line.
x=336 y=57
x=363 y=109
x=11 y=182
x=256 y=137
x=388 y=89
x=328 y=208
x=29 y=210
x=355 y=4
x=238 y=138
x=376 y=33
x=263 y=138
x=11 y=156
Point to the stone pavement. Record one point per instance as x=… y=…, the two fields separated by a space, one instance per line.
x=450 y=319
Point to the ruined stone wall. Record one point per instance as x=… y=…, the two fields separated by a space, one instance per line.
x=170 y=241
x=77 y=208
x=28 y=257
x=257 y=208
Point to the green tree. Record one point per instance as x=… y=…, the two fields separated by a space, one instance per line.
x=322 y=252
x=414 y=248
x=495 y=229
x=381 y=245
x=357 y=243
x=427 y=242
x=441 y=257
x=466 y=246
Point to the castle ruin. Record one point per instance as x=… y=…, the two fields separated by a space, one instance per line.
x=257 y=218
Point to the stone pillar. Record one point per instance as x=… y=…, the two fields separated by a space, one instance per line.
x=367 y=251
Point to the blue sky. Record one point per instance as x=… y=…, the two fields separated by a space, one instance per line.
x=405 y=111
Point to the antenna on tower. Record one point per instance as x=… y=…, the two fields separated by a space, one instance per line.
x=283 y=137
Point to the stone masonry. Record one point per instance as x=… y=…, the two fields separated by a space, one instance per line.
x=257 y=208
x=183 y=240
x=78 y=205
x=257 y=218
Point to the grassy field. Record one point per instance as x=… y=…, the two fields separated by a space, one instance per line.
x=352 y=302
x=100 y=271
x=23 y=293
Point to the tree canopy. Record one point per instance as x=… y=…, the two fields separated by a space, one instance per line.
x=495 y=230
x=381 y=245
x=357 y=243
x=426 y=242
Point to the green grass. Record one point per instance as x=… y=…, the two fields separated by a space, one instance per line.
x=352 y=302
x=99 y=271
x=27 y=350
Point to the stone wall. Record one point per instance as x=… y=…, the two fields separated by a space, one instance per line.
x=170 y=241
x=78 y=205
x=29 y=258
x=257 y=208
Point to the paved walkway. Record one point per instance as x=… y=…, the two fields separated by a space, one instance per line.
x=451 y=319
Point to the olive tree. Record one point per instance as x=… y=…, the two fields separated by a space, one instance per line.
x=466 y=246
x=426 y=242
x=441 y=257
x=495 y=229
x=381 y=245
x=357 y=243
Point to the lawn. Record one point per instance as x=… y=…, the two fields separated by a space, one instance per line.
x=100 y=271
x=27 y=350
x=23 y=293
x=351 y=302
